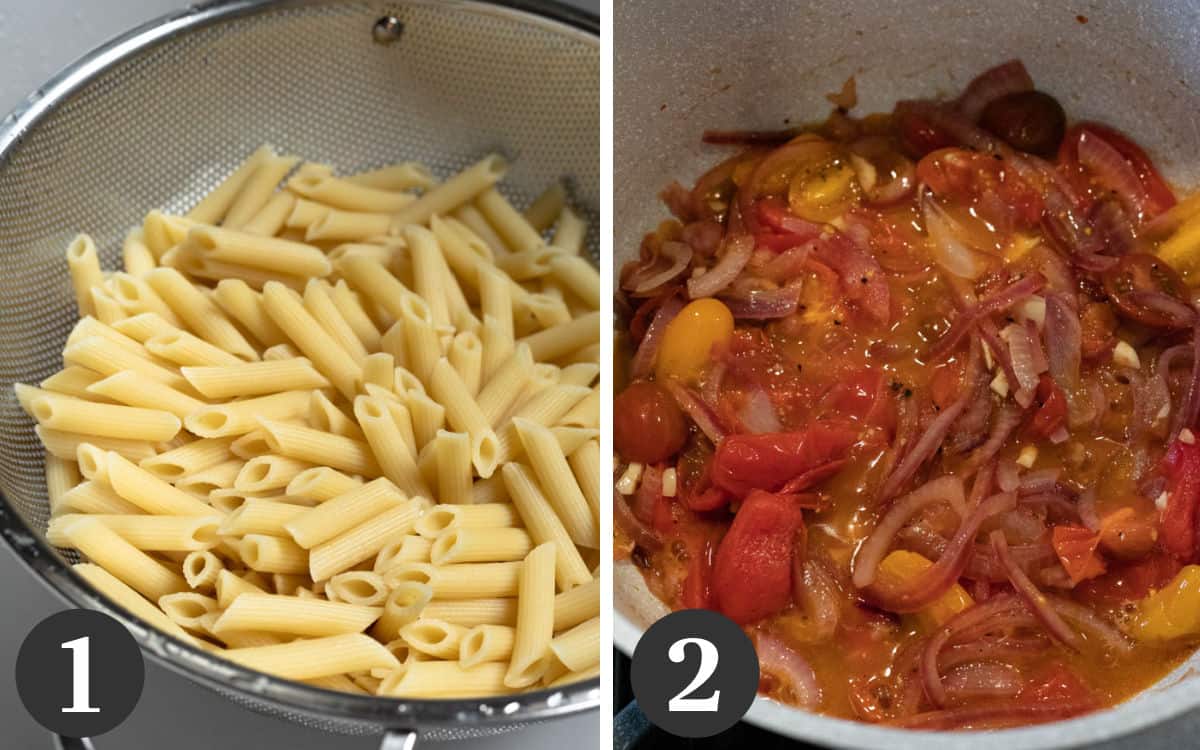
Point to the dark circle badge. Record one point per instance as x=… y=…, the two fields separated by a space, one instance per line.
x=694 y=673
x=79 y=673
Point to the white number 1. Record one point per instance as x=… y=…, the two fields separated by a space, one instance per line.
x=80 y=678
x=708 y=665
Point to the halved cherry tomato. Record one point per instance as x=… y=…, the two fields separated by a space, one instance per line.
x=648 y=426
x=1126 y=535
x=919 y=136
x=1076 y=550
x=1157 y=197
x=959 y=174
x=771 y=461
x=1182 y=467
x=1137 y=275
x=862 y=397
x=1052 y=408
x=1129 y=581
x=752 y=573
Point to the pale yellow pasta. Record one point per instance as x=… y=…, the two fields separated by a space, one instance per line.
x=147 y=491
x=578 y=648
x=585 y=463
x=254 y=378
x=256 y=251
x=107 y=549
x=324 y=415
x=190 y=260
x=310 y=658
x=376 y=282
x=403 y=176
x=319 y=303
x=570 y=233
x=380 y=369
x=428 y=418
x=361 y=587
x=58 y=412
x=261 y=516
x=545 y=408
x=544 y=525
x=535 y=618
x=245 y=306
x=88 y=327
x=294 y=616
x=321 y=448
x=229 y=586
x=428 y=275
x=352 y=311
x=376 y=251
x=143 y=327
x=212 y=207
x=463 y=414
x=517 y=233
x=73 y=380
x=147 y=533
x=257 y=188
x=464 y=581
x=452 y=451
x=136 y=297
x=473 y=612
x=272 y=554
x=188 y=609
x=201 y=569
x=163 y=232
x=268 y=473
x=251 y=445
x=337 y=225
x=502 y=389
x=486 y=643
x=363 y=541
x=544 y=211
x=408 y=548
x=271 y=217
x=320 y=484
x=558 y=483
x=305 y=213
x=182 y=348
x=305 y=332
x=474 y=228
x=455 y=191
x=340 y=193
x=124 y=595
x=199 y=312
x=441 y=517
x=576 y=605
x=585 y=413
x=391 y=449
x=342 y=513
x=579 y=276
x=240 y=417
x=589 y=353
x=404 y=604
x=434 y=638
x=421 y=341
x=495 y=297
x=467 y=545
x=497 y=347
x=288 y=584
x=94 y=498
x=134 y=389
x=83 y=262
x=135 y=256
x=103 y=356
x=188 y=459
x=466 y=356
x=532 y=263
x=61 y=476
x=553 y=343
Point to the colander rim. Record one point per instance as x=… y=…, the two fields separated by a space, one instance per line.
x=168 y=651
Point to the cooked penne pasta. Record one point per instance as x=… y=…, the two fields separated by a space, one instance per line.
x=124 y=595
x=57 y=412
x=189 y=610
x=465 y=545
x=244 y=305
x=254 y=378
x=73 y=380
x=134 y=389
x=558 y=482
x=512 y=227
x=276 y=613
x=544 y=526
x=455 y=191
x=94 y=498
x=136 y=297
x=61 y=476
x=310 y=658
x=202 y=569
x=272 y=554
x=342 y=513
x=256 y=190
x=464 y=581
x=435 y=638
x=107 y=549
x=441 y=517
x=403 y=176
x=83 y=262
x=444 y=680
x=261 y=516
x=585 y=463
x=363 y=541
x=320 y=484
x=361 y=587
x=535 y=618
x=392 y=450
x=466 y=357
x=578 y=648
x=240 y=417
x=271 y=218
x=319 y=304
x=199 y=312
x=147 y=533
x=486 y=643
x=545 y=209
x=212 y=207
x=317 y=447
x=136 y=257
x=463 y=414
x=404 y=604
x=352 y=311
x=305 y=332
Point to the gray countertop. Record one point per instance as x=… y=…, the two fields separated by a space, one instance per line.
x=38 y=39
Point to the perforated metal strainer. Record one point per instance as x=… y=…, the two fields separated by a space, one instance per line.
x=157 y=117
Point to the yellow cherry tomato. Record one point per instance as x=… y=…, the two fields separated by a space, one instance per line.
x=901 y=567
x=823 y=191
x=1171 y=612
x=689 y=339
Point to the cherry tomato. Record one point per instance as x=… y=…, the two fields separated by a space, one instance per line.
x=860 y=396
x=1031 y=121
x=772 y=461
x=1127 y=536
x=945 y=384
x=957 y=174
x=1129 y=581
x=752 y=573
x=1138 y=275
x=919 y=136
x=1052 y=408
x=1158 y=196
x=648 y=426
x=1076 y=550
x=1098 y=324
x=1182 y=467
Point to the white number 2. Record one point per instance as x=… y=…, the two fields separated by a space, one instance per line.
x=708 y=665
x=80 y=677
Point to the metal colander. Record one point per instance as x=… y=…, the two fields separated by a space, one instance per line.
x=158 y=117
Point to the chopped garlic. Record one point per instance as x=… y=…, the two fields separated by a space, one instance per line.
x=1000 y=384
x=1163 y=413
x=1033 y=309
x=987 y=357
x=1125 y=355
x=1187 y=436
x=1160 y=502
x=698 y=271
x=668 y=483
x=1028 y=456
x=628 y=483
x=839 y=222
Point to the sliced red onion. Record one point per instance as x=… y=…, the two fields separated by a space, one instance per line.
x=1042 y=480
x=945 y=237
x=1027 y=359
x=641 y=534
x=992 y=84
x=737 y=252
x=1181 y=314
x=1112 y=171
x=981 y=487
x=765 y=304
x=697 y=410
x=704 y=237
x=1037 y=601
x=758 y=415
x=948 y=489
x=1189 y=409
x=648 y=278
x=1008 y=477
x=1093 y=625
x=714 y=377
x=647 y=351
x=1064 y=343
x=998 y=301
x=1006 y=649
x=1006 y=422
x=1060 y=435
x=1087 y=509
x=999 y=608
x=816 y=592
x=862 y=279
x=788 y=264
x=940 y=576
x=790 y=668
x=923 y=449
x=982 y=681
x=990 y=335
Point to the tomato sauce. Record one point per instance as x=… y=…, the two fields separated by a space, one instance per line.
x=952 y=421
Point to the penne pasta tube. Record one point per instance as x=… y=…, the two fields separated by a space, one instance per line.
x=535 y=618
x=145 y=490
x=390 y=447
x=474 y=612
x=463 y=581
x=268 y=472
x=556 y=478
x=272 y=554
x=73 y=380
x=516 y=232
x=199 y=312
x=408 y=548
x=321 y=483
x=257 y=188
x=324 y=415
x=422 y=345
x=553 y=343
x=342 y=513
x=271 y=217
x=444 y=680
x=188 y=459
x=404 y=604
x=544 y=525
x=464 y=415
x=474 y=229
x=576 y=605
x=123 y=595
x=319 y=304
x=570 y=233
x=466 y=357
x=254 y=378
x=468 y=545
x=361 y=587
x=486 y=643
x=201 y=569
x=288 y=614
x=502 y=390
x=212 y=207
x=579 y=276
x=403 y=176
x=102 y=356
x=182 y=348
x=439 y=518
x=61 y=476
x=147 y=533
x=230 y=586
x=362 y=542
x=135 y=256
x=352 y=311
x=453 y=459
x=83 y=262
x=351 y=196
x=285 y=308
x=107 y=549
x=134 y=389
x=544 y=211
x=240 y=417
x=310 y=658
x=428 y=272
x=136 y=297
x=531 y=263
x=585 y=463
x=261 y=516
x=189 y=610
x=244 y=305
x=144 y=326
x=455 y=191
x=380 y=369
x=94 y=498
x=578 y=648
x=321 y=448
x=57 y=412
x=585 y=413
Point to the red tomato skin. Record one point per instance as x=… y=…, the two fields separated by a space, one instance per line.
x=752 y=573
x=1182 y=467
x=919 y=136
x=1076 y=550
x=769 y=461
x=1158 y=194
x=1052 y=412
x=1129 y=581
x=648 y=425
x=697 y=586
x=958 y=173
